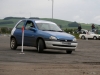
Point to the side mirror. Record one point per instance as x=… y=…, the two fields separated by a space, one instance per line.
x=33 y=29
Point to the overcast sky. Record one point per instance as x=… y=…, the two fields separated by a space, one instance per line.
x=83 y=11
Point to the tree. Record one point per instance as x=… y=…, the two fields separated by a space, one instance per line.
x=73 y=24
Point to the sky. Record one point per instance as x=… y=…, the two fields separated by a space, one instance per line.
x=82 y=11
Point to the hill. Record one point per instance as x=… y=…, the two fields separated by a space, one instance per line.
x=11 y=21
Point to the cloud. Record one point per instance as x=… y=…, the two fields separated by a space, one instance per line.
x=76 y=17
x=86 y=11
x=97 y=18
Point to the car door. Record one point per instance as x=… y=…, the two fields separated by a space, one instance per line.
x=89 y=35
x=29 y=34
x=18 y=31
x=92 y=34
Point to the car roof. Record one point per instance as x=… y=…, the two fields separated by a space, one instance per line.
x=40 y=21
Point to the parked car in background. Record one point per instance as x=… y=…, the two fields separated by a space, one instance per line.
x=85 y=34
x=82 y=30
x=42 y=35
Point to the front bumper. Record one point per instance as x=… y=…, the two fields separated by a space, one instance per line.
x=99 y=37
x=61 y=45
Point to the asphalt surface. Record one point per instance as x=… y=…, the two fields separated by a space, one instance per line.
x=87 y=53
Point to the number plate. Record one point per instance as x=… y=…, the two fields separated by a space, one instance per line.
x=67 y=43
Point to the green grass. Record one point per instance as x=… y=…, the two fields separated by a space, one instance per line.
x=62 y=23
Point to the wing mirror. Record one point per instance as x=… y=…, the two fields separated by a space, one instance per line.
x=33 y=29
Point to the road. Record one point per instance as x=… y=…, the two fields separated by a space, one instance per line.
x=84 y=61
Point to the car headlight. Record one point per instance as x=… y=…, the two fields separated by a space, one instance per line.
x=74 y=39
x=52 y=38
x=99 y=36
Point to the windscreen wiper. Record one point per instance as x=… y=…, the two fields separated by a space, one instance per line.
x=51 y=30
x=59 y=31
x=44 y=30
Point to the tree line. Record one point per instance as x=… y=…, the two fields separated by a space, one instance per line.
x=8 y=18
x=6 y=22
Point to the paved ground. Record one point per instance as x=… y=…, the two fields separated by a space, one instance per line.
x=84 y=61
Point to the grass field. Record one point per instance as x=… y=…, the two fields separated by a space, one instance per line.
x=62 y=23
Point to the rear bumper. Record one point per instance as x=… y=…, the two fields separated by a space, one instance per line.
x=60 y=45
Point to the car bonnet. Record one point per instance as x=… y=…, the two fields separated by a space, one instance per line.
x=61 y=35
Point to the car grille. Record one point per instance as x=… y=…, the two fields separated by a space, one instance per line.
x=63 y=45
x=65 y=40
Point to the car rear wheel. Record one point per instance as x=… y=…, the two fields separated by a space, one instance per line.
x=68 y=51
x=83 y=37
x=94 y=37
x=13 y=43
x=40 y=46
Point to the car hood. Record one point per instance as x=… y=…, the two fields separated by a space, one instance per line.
x=60 y=35
x=95 y=34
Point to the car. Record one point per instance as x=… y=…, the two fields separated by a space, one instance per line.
x=85 y=34
x=42 y=34
x=82 y=30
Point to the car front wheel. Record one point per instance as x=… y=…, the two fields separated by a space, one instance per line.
x=13 y=44
x=94 y=37
x=40 y=46
x=83 y=37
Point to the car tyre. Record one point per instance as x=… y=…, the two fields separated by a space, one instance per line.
x=68 y=51
x=83 y=37
x=40 y=46
x=94 y=37
x=13 y=44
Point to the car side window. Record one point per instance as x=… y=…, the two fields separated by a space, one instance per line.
x=19 y=26
x=84 y=32
x=29 y=24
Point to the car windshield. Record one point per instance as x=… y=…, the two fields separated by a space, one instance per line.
x=48 y=27
x=91 y=32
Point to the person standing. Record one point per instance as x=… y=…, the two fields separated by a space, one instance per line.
x=93 y=28
x=79 y=28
